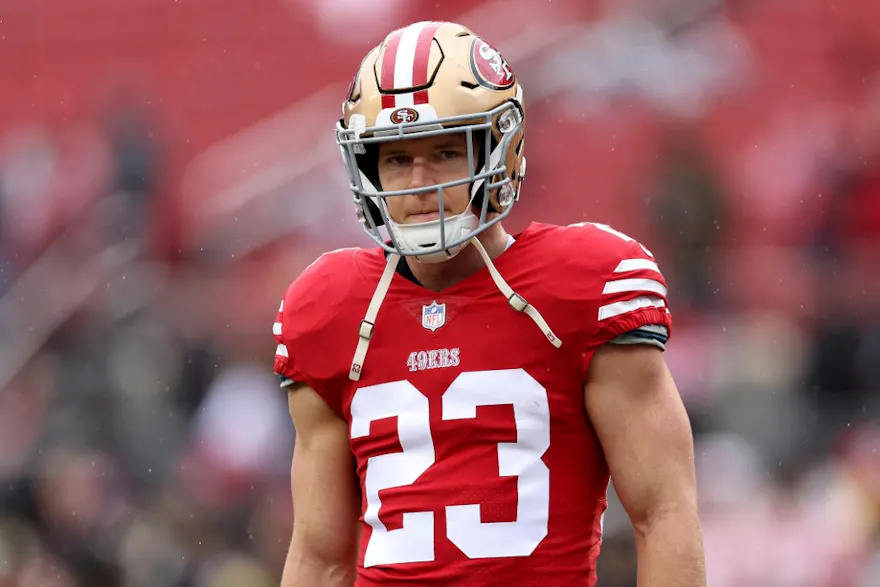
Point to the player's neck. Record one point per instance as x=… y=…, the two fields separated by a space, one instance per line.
x=439 y=276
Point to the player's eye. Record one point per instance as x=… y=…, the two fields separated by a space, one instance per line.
x=448 y=154
x=398 y=160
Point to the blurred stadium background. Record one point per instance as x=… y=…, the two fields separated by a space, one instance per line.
x=168 y=167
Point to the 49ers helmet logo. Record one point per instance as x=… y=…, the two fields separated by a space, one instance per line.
x=404 y=115
x=490 y=69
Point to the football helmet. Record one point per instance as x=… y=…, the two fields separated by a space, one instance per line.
x=428 y=79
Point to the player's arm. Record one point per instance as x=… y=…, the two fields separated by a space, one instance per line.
x=323 y=550
x=646 y=436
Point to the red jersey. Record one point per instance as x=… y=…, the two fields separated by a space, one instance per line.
x=477 y=462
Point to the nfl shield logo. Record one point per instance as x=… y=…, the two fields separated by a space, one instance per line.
x=433 y=316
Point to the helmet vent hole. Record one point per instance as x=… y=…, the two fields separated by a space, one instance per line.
x=469 y=85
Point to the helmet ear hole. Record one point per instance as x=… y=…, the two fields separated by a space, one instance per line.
x=514 y=162
x=480 y=143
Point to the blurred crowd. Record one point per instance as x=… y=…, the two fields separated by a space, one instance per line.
x=144 y=441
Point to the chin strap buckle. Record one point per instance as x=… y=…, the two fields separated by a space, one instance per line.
x=517 y=302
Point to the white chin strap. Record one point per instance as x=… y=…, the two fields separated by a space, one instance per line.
x=412 y=237
x=365 y=331
x=516 y=301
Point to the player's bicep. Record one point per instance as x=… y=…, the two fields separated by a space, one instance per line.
x=644 y=430
x=323 y=481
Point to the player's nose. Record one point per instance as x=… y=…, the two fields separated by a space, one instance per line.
x=422 y=175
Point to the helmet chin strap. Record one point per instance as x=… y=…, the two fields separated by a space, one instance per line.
x=411 y=237
x=516 y=301
x=365 y=330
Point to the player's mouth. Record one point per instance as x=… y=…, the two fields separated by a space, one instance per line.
x=427 y=216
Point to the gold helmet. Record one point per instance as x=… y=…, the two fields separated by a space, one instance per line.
x=428 y=79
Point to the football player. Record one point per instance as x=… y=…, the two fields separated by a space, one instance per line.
x=462 y=395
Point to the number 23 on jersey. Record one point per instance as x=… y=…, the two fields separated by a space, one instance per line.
x=414 y=540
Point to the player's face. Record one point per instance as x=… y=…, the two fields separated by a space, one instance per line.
x=422 y=162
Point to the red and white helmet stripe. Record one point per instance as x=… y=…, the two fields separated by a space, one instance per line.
x=405 y=64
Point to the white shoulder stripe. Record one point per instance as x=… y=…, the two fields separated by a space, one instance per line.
x=281 y=350
x=637 y=265
x=276 y=329
x=627 y=238
x=618 y=308
x=636 y=284
x=609 y=230
x=617 y=233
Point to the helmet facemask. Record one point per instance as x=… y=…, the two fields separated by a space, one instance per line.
x=493 y=136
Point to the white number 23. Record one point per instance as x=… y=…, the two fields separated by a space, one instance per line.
x=414 y=540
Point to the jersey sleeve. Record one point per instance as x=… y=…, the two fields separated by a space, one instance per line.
x=284 y=367
x=650 y=334
x=626 y=293
x=632 y=302
x=307 y=330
